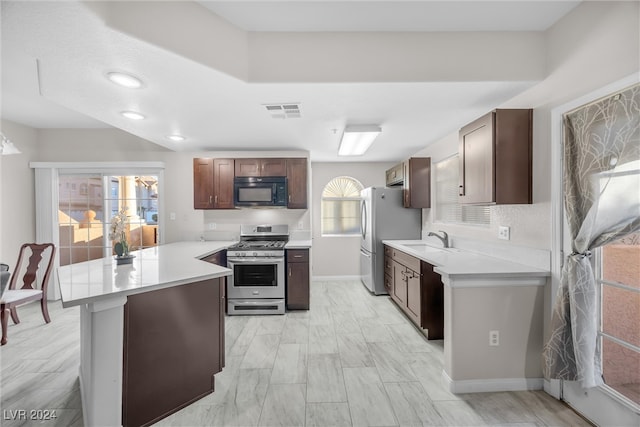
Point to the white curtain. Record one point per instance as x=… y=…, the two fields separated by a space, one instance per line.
x=602 y=204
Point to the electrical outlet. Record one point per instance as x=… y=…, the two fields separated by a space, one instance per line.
x=503 y=232
x=212 y=226
x=172 y=216
x=494 y=338
x=300 y=225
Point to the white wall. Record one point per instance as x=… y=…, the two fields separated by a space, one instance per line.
x=90 y=145
x=339 y=256
x=190 y=223
x=596 y=44
x=17 y=200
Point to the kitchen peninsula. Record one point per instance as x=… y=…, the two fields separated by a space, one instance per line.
x=493 y=312
x=151 y=333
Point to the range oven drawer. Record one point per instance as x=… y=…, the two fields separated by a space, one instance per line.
x=255 y=306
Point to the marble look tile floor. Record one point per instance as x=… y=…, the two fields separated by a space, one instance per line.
x=352 y=360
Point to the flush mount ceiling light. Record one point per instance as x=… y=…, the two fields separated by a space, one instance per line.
x=356 y=140
x=7 y=147
x=176 y=137
x=124 y=79
x=133 y=115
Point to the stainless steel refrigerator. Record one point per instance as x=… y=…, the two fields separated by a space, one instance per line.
x=383 y=218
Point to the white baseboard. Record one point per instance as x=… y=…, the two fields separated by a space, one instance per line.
x=335 y=278
x=552 y=387
x=492 y=384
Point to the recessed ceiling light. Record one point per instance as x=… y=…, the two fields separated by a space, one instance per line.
x=176 y=138
x=124 y=80
x=133 y=115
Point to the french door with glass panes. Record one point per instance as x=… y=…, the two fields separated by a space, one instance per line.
x=617 y=270
x=86 y=204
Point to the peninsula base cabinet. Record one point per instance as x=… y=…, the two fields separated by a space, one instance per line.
x=173 y=346
x=298 y=279
x=416 y=289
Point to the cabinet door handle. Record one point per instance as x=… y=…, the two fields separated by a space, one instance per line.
x=289 y=271
x=461 y=191
x=289 y=197
x=216 y=198
x=210 y=199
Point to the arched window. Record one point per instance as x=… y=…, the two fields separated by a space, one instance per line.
x=341 y=207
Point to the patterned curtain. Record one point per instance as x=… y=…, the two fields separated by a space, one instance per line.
x=602 y=204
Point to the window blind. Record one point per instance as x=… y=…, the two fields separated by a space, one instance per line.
x=447 y=208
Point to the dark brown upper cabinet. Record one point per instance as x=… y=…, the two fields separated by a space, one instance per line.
x=417 y=182
x=202 y=183
x=261 y=167
x=213 y=183
x=213 y=179
x=297 y=183
x=414 y=175
x=496 y=158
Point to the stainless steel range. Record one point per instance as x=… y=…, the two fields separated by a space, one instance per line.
x=257 y=262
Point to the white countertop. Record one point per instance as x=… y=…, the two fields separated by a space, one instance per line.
x=153 y=268
x=457 y=263
x=298 y=244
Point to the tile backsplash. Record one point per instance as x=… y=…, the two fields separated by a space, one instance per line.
x=225 y=224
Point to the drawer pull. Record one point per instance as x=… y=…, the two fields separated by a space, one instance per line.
x=297 y=256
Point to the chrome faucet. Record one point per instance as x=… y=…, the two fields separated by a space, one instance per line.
x=444 y=238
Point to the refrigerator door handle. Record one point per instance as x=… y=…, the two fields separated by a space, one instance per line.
x=365 y=253
x=363 y=218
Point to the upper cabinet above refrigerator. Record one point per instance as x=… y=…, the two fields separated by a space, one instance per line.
x=414 y=175
x=495 y=155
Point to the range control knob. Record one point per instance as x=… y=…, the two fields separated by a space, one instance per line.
x=255 y=254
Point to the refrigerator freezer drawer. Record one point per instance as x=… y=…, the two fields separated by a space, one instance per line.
x=366 y=269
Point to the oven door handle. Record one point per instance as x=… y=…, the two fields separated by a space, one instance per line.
x=261 y=260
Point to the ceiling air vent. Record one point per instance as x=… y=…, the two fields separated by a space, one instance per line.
x=284 y=111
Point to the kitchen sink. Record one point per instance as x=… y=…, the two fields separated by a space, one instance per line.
x=425 y=247
x=422 y=247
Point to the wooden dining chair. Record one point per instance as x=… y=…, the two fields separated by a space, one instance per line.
x=29 y=291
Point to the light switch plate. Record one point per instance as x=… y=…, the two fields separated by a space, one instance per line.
x=503 y=233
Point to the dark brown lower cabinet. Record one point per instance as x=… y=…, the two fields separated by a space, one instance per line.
x=173 y=345
x=417 y=290
x=297 y=279
x=399 y=283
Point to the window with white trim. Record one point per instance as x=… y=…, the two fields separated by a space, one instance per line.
x=447 y=208
x=88 y=201
x=341 y=207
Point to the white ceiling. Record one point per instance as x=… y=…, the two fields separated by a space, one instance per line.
x=358 y=15
x=55 y=55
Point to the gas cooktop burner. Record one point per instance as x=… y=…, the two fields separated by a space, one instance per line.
x=259 y=244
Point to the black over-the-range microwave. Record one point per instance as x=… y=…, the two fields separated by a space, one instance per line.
x=250 y=191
